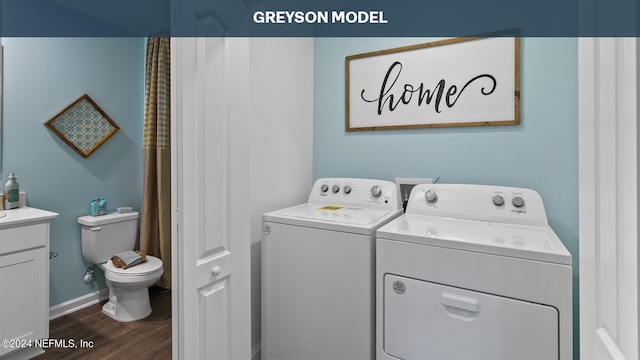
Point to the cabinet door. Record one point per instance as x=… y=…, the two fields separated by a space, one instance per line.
x=23 y=303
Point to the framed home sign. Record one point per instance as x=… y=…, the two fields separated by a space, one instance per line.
x=470 y=81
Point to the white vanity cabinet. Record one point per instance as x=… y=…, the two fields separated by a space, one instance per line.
x=24 y=281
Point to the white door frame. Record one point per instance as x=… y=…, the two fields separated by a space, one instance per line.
x=608 y=181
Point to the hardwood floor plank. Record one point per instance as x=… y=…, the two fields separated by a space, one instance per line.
x=149 y=338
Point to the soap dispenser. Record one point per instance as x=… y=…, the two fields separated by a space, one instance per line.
x=11 y=193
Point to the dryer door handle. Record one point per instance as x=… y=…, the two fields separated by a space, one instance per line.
x=461 y=306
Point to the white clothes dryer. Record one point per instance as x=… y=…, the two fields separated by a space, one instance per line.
x=473 y=272
x=318 y=271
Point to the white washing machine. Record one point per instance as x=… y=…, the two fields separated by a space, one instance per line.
x=473 y=272
x=318 y=271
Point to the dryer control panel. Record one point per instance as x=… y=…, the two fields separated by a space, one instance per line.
x=365 y=193
x=478 y=202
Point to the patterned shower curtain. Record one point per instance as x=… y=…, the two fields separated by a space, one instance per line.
x=155 y=217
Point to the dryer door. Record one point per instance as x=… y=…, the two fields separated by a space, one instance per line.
x=424 y=320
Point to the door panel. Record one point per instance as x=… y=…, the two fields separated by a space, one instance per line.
x=214 y=304
x=211 y=239
x=608 y=148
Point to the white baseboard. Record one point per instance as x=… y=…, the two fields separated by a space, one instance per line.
x=76 y=304
x=255 y=351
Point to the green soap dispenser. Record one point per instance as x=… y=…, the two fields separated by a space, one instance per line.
x=11 y=193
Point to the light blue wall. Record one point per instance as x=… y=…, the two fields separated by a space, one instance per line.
x=43 y=76
x=541 y=153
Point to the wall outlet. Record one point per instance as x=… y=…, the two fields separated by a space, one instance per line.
x=405 y=185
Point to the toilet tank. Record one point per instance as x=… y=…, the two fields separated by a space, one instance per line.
x=103 y=236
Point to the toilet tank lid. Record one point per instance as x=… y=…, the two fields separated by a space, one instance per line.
x=106 y=219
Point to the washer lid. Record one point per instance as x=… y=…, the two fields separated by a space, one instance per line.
x=333 y=217
x=152 y=265
x=519 y=241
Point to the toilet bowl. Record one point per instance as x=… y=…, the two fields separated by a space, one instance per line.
x=128 y=289
x=105 y=236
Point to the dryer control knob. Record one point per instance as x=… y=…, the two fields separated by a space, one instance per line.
x=324 y=188
x=346 y=189
x=335 y=188
x=376 y=191
x=498 y=200
x=431 y=196
x=518 y=201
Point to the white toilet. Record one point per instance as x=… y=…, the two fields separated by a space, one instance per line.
x=106 y=235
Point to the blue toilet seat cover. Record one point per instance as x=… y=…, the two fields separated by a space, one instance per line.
x=152 y=265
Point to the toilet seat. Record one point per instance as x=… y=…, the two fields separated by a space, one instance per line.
x=152 y=265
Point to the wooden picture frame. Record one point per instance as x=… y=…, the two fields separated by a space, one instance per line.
x=467 y=81
x=83 y=125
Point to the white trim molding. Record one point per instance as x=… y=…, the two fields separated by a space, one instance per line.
x=78 y=303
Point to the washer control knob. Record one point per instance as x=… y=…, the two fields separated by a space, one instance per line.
x=324 y=188
x=335 y=189
x=517 y=201
x=498 y=200
x=431 y=196
x=376 y=191
x=346 y=189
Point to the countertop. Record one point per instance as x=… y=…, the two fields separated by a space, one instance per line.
x=24 y=216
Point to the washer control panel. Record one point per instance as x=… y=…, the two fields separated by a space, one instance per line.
x=366 y=193
x=478 y=202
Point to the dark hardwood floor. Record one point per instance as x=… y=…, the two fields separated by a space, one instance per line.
x=149 y=338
